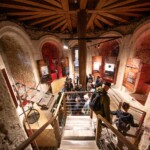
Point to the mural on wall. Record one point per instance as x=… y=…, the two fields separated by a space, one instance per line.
x=18 y=61
x=131 y=73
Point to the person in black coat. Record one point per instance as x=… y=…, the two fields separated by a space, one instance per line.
x=124 y=119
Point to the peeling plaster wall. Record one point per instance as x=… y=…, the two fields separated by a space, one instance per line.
x=11 y=130
x=18 y=61
x=19 y=36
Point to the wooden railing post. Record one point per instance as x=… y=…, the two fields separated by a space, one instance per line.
x=57 y=131
x=91 y=113
x=64 y=105
x=120 y=104
x=98 y=130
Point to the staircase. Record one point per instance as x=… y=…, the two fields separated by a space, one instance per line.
x=78 y=134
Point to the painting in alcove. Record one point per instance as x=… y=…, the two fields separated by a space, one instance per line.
x=131 y=73
x=51 y=56
x=43 y=71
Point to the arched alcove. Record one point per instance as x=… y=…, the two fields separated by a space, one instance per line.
x=16 y=52
x=51 y=56
x=109 y=52
x=142 y=48
x=17 y=60
x=136 y=77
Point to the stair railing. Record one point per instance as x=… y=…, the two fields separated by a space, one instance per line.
x=133 y=110
x=54 y=120
x=121 y=138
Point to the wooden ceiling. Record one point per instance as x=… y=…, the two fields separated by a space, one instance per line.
x=61 y=15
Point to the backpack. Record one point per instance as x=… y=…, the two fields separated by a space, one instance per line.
x=121 y=125
x=95 y=101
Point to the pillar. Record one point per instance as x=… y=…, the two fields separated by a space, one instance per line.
x=82 y=21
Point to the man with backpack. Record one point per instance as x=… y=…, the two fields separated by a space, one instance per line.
x=103 y=107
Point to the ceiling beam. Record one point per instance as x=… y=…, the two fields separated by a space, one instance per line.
x=98 y=24
x=54 y=2
x=102 y=42
x=93 y=16
x=64 y=27
x=54 y=22
x=37 y=4
x=83 y=4
x=120 y=12
x=120 y=3
x=42 y=12
x=109 y=2
x=65 y=6
x=92 y=38
x=124 y=13
x=11 y=6
x=59 y=24
x=46 y=19
x=102 y=19
x=114 y=17
x=38 y=16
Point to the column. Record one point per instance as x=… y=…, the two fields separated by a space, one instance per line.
x=82 y=21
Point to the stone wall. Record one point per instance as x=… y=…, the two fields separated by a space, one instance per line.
x=18 y=61
x=11 y=131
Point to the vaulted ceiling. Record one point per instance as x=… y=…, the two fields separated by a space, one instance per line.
x=61 y=15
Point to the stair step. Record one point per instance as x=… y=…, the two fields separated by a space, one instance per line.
x=79 y=134
x=86 y=127
x=78 y=145
x=76 y=149
x=79 y=121
x=78 y=117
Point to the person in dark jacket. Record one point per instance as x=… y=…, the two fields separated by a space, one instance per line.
x=105 y=107
x=98 y=82
x=124 y=119
x=69 y=85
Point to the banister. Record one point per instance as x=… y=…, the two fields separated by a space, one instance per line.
x=117 y=133
x=34 y=135
x=132 y=107
x=59 y=104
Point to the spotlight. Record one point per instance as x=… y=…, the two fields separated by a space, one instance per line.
x=65 y=46
x=75 y=1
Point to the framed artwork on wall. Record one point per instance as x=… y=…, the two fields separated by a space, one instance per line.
x=131 y=77
x=96 y=66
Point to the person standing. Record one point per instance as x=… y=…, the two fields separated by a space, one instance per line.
x=104 y=110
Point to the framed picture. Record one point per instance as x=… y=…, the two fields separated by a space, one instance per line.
x=96 y=66
x=44 y=70
x=131 y=77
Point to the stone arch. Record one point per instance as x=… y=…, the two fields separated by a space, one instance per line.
x=53 y=40
x=110 y=51
x=140 y=42
x=18 y=45
x=51 y=50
